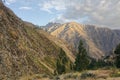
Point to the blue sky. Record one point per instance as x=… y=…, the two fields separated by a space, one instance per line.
x=40 y=12
x=30 y=11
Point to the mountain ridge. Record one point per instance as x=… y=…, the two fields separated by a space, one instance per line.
x=99 y=41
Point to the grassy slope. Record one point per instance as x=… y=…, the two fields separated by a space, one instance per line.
x=23 y=50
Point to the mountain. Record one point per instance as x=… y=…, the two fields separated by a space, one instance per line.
x=26 y=50
x=97 y=40
x=51 y=26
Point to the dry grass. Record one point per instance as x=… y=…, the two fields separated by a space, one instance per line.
x=99 y=74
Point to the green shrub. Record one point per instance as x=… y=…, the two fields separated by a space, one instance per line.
x=87 y=75
x=116 y=74
x=57 y=78
x=70 y=76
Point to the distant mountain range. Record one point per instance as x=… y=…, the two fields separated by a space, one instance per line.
x=99 y=41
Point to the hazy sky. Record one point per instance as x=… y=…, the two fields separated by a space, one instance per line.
x=40 y=12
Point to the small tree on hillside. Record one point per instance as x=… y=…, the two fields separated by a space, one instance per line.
x=61 y=62
x=81 y=61
x=117 y=53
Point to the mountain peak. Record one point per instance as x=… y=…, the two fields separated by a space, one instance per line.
x=52 y=24
x=73 y=23
x=99 y=41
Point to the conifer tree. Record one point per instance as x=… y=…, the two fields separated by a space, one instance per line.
x=117 y=53
x=81 y=61
x=61 y=62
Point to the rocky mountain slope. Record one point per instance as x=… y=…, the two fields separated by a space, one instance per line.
x=25 y=50
x=98 y=41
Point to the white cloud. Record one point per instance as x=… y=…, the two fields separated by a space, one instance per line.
x=46 y=7
x=25 y=8
x=100 y=12
x=52 y=4
x=8 y=2
x=60 y=19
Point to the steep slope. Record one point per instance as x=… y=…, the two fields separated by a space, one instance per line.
x=67 y=48
x=24 y=50
x=104 y=38
x=98 y=41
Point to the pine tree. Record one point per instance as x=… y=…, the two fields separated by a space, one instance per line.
x=117 y=53
x=81 y=61
x=61 y=62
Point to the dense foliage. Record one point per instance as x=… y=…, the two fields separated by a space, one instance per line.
x=95 y=64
